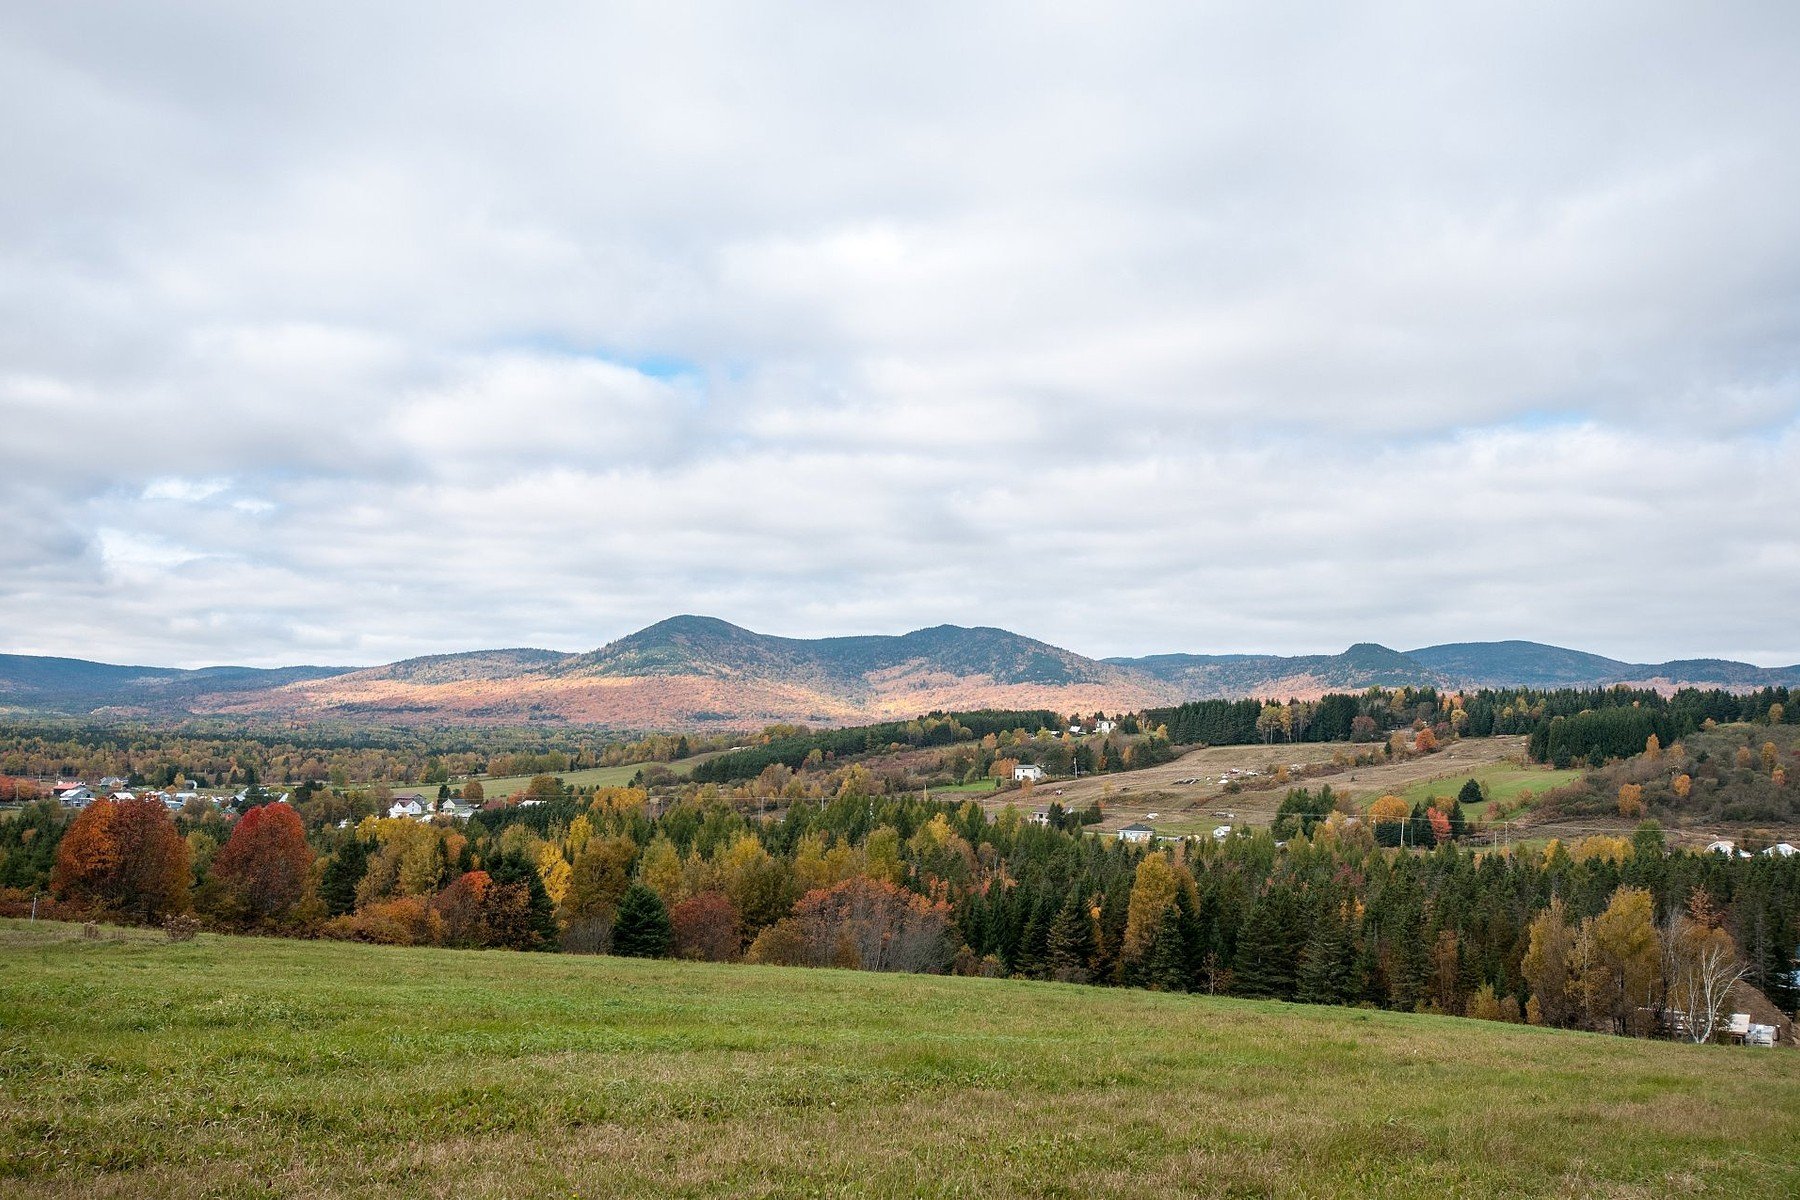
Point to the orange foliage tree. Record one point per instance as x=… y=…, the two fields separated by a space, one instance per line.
x=266 y=861
x=125 y=856
x=706 y=927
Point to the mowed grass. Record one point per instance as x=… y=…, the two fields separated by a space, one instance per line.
x=1504 y=782
x=246 y=1067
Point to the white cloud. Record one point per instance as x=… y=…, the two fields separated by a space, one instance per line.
x=1143 y=329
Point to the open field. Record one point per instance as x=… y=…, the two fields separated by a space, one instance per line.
x=249 y=1067
x=500 y=787
x=1504 y=782
x=1184 y=808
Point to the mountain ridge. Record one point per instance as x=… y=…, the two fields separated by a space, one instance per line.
x=698 y=670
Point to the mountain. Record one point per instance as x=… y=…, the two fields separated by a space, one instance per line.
x=693 y=671
x=1363 y=665
x=1533 y=664
x=75 y=685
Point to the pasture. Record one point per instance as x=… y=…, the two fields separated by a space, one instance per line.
x=135 y=1067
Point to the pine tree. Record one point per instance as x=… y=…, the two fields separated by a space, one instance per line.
x=1071 y=941
x=1325 y=964
x=1165 y=968
x=337 y=886
x=1264 y=965
x=1034 y=942
x=642 y=929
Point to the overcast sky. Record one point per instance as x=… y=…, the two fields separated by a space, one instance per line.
x=337 y=333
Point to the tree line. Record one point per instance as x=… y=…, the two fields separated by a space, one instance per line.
x=897 y=882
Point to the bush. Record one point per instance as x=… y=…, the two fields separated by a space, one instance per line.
x=180 y=927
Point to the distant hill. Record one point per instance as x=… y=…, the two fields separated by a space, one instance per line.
x=1201 y=676
x=1533 y=664
x=695 y=671
x=73 y=685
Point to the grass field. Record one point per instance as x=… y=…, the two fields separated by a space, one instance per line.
x=243 y=1067
x=1504 y=781
x=500 y=787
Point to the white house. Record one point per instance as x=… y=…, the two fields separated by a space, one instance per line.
x=1104 y=726
x=1781 y=850
x=1137 y=831
x=1027 y=772
x=1722 y=846
x=1221 y=833
x=406 y=806
x=78 y=796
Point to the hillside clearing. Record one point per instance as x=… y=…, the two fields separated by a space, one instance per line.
x=502 y=786
x=229 y=1066
x=1189 y=798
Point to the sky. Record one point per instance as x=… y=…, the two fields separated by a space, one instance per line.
x=339 y=333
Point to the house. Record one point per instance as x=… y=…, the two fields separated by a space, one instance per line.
x=1722 y=846
x=1221 y=833
x=113 y=783
x=77 y=796
x=1781 y=850
x=1137 y=831
x=1041 y=817
x=1104 y=726
x=406 y=806
x=461 y=812
x=1027 y=773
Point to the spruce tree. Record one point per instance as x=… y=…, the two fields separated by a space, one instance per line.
x=1325 y=964
x=337 y=886
x=1165 y=968
x=642 y=928
x=1071 y=943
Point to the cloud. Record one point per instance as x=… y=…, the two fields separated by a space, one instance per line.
x=356 y=335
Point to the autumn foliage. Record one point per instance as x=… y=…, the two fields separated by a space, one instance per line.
x=124 y=856
x=265 y=861
x=864 y=924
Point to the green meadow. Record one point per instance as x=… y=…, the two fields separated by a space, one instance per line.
x=1504 y=782
x=136 y=1067
x=502 y=786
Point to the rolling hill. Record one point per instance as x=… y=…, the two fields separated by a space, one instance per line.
x=693 y=671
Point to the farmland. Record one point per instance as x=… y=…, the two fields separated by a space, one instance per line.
x=1503 y=782
x=136 y=1067
x=1187 y=794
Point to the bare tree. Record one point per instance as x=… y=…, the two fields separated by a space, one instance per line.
x=1701 y=962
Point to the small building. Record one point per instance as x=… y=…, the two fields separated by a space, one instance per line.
x=406 y=806
x=1137 y=831
x=1027 y=773
x=1221 y=832
x=1041 y=817
x=1722 y=846
x=1105 y=726
x=1781 y=850
x=75 y=796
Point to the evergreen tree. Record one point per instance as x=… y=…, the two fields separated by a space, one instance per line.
x=1264 y=965
x=1325 y=963
x=1165 y=968
x=642 y=928
x=1071 y=941
x=337 y=886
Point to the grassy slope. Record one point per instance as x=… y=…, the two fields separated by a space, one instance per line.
x=502 y=786
x=262 y=1067
x=1504 y=782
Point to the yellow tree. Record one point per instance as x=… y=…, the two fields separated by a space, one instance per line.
x=1622 y=968
x=1152 y=892
x=1549 y=967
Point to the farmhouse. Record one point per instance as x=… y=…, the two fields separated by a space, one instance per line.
x=77 y=795
x=406 y=806
x=1137 y=831
x=1027 y=772
x=1104 y=726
